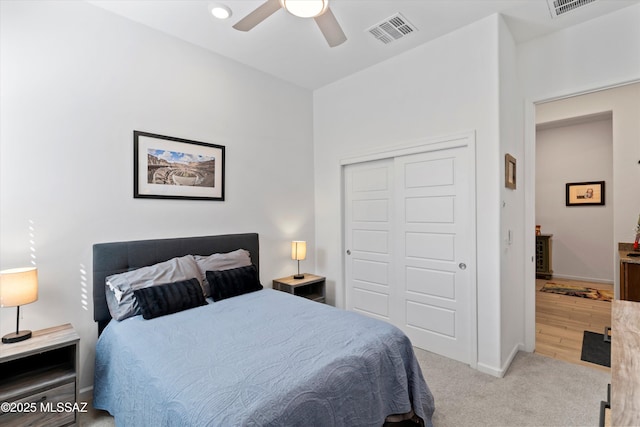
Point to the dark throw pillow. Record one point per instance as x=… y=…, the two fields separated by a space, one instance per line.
x=233 y=282
x=156 y=301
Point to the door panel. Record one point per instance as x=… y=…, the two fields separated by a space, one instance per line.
x=371 y=210
x=368 y=209
x=408 y=225
x=431 y=319
x=366 y=180
x=432 y=194
x=371 y=241
x=371 y=271
x=430 y=209
x=429 y=246
x=431 y=282
x=371 y=303
x=428 y=173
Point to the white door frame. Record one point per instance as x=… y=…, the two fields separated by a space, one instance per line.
x=530 y=202
x=464 y=139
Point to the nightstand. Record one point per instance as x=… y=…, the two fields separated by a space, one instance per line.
x=39 y=378
x=311 y=287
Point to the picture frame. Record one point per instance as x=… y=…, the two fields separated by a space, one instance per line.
x=166 y=167
x=509 y=171
x=585 y=193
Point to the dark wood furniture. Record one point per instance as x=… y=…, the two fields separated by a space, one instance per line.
x=311 y=286
x=629 y=281
x=39 y=379
x=544 y=268
x=629 y=272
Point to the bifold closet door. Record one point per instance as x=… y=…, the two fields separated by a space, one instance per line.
x=407 y=234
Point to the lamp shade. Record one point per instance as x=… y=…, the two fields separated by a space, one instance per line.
x=18 y=286
x=298 y=250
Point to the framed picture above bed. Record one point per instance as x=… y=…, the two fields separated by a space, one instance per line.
x=166 y=167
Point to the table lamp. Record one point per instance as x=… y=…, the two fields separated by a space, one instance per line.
x=18 y=286
x=298 y=252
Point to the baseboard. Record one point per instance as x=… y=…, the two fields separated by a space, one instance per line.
x=512 y=355
x=582 y=279
x=499 y=372
x=486 y=369
x=86 y=394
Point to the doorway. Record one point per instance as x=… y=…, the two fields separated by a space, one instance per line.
x=622 y=101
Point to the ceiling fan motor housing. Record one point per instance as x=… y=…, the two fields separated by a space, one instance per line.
x=305 y=8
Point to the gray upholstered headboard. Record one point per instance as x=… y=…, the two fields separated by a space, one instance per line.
x=118 y=257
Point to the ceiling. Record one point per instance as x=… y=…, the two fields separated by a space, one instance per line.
x=293 y=49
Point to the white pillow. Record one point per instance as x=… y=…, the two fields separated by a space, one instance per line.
x=217 y=262
x=119 y=287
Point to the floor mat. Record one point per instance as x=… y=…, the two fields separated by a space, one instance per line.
x=595 y=349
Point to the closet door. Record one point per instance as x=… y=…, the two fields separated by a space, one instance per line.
x=368 y=237
x=410 y=246
x=433 y=255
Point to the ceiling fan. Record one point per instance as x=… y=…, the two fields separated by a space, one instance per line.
x=316 y=9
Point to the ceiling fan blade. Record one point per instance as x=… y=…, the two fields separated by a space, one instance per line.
x=330 y=28
x=258 y=15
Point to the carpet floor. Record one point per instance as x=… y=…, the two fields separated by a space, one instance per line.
x=535 y=391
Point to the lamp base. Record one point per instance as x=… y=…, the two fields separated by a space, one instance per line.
x=298 y=276
x=16 y=337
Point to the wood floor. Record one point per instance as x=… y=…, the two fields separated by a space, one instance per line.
x=561 y=321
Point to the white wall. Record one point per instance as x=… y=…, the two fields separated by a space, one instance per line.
x=75 y=82
x=582 y=243
x=512 y=254
x=594 y=55
x=423 y=93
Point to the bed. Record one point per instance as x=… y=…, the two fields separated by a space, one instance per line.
x=261 y=358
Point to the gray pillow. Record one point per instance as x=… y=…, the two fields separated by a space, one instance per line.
x=218 y=262
x=120 y=287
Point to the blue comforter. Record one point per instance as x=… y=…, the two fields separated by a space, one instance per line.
x=262 y=359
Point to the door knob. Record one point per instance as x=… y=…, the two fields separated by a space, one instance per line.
x=462 y=266
x=348 y=251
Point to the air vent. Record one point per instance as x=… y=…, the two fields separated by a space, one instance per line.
x=392 y=29
x=560 y=7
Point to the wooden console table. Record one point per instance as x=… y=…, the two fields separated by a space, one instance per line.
x=625 y=358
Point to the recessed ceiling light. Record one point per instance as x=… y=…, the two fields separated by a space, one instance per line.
x=220 y=11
